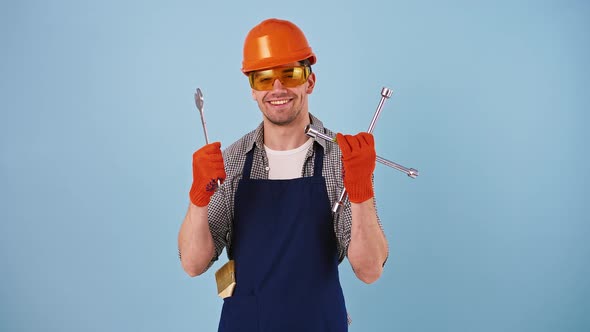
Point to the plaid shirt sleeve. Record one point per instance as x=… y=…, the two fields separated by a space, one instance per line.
x=221 y=206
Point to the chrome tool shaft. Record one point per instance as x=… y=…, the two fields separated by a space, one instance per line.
x=314 y=133
x=385 y=94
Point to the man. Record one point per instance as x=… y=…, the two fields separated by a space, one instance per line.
x=273 y=209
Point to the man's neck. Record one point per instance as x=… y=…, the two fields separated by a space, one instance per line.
x=286 y=137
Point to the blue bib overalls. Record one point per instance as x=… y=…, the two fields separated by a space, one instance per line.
x=286 y=257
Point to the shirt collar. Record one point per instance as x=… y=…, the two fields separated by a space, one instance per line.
x=258 y=137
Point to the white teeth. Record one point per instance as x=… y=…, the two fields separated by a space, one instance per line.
x=279 y=102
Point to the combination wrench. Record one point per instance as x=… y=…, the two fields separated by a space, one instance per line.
x=199 y=102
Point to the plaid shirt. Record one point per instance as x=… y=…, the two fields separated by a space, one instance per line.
x=221 y=206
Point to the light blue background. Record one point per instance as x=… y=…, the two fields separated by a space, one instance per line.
x=98 y=125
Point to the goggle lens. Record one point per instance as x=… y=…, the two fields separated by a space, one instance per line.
x=290 y=77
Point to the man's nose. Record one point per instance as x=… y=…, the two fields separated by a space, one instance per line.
x=277 y=85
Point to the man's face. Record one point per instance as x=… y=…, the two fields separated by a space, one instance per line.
x=281 y=105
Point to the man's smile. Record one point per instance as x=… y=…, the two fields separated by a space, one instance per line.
x=279 y=102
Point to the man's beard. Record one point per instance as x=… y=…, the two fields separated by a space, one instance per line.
x=279 y=121
x=283 y=122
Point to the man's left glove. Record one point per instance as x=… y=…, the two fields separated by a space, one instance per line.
x=207 y=170
x=358 y=160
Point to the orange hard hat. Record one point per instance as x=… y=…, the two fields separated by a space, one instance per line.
x=275 y=42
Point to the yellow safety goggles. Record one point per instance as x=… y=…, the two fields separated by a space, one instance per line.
x=290 y=77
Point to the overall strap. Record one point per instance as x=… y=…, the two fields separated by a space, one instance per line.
x=245 y=175
x=248 y=164
x=318 y=164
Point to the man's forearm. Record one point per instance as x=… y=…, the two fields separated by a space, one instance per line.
x=195 y=242
x=368 y=249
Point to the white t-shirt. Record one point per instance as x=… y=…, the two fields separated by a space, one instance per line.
x=287 y=164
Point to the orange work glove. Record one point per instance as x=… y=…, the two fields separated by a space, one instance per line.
x=358 y=161
x=207 y=169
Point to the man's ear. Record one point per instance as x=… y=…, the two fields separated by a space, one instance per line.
x=311 y=83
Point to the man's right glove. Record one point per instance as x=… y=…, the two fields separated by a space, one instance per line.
x=358 y=161
x=207 y=169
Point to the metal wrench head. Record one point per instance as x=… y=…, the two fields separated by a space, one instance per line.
x=310 y=131
x=199 y=100
x=315 y=134
x=199 y=103
x=386 y=92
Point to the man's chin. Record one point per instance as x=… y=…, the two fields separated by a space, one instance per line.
x=281 y=119
x=280 y=122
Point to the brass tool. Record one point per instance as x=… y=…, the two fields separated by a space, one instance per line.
x=226 y=279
